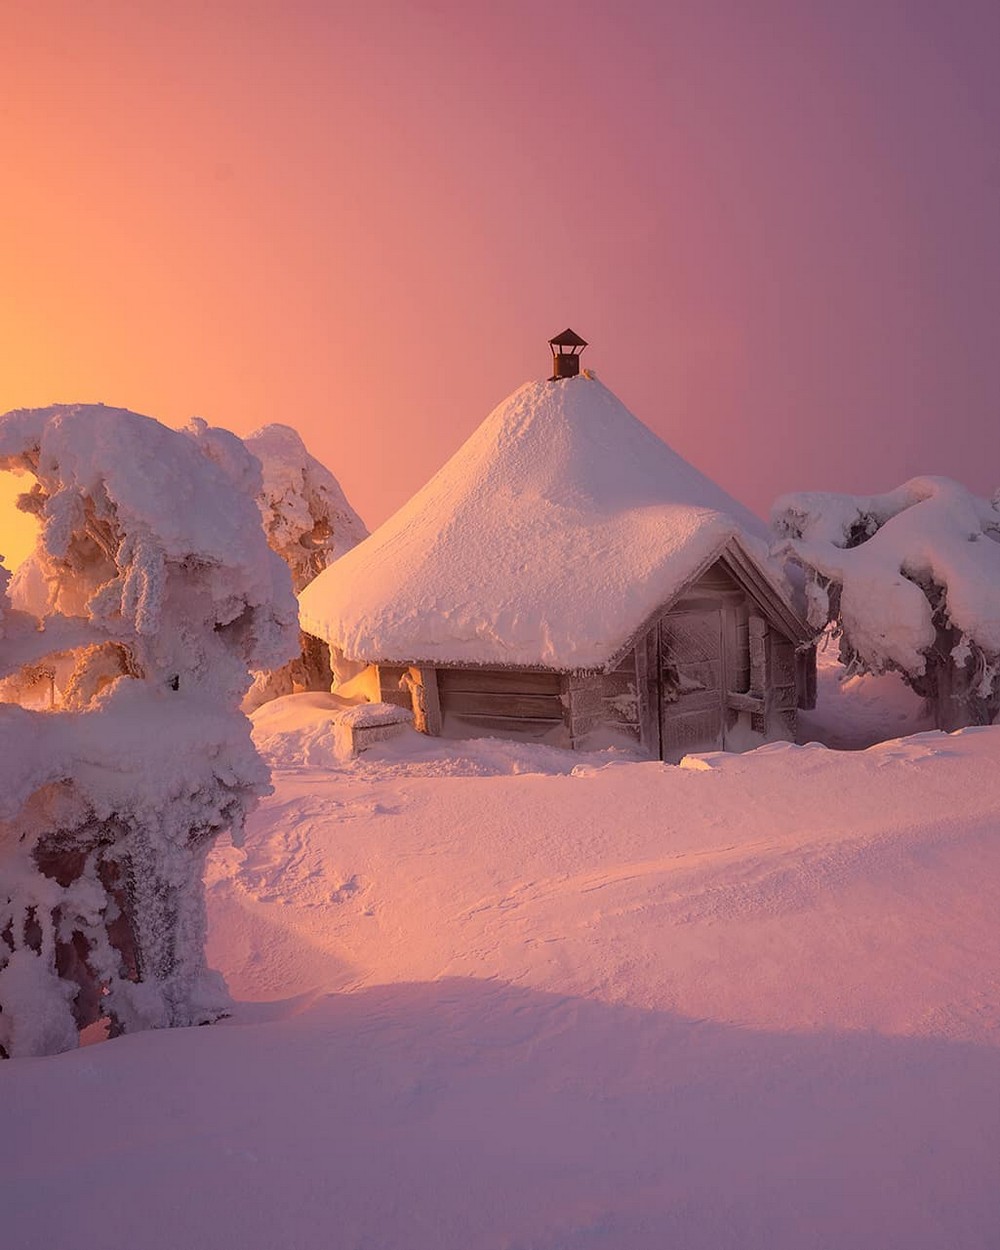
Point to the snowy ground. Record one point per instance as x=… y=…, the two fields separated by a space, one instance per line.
x=856 y=712
x=500 y=997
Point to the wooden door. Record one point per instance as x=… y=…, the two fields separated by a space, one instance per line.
x=692 y=683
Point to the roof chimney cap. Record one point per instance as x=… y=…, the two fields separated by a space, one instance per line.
x=566 y=349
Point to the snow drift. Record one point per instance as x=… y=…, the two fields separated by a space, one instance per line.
x=497 y=995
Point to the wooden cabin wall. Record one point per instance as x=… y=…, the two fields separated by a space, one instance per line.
x=608 y=702
x=582 y=703
x=414 y=688
x=781 y=695
x=712 y=639
x=515 y=703
x=747 y=665
x=745 y=669
x=391 y=687
x=805 y=677
x=647 y=671
x=423 y=687
x=757 y=682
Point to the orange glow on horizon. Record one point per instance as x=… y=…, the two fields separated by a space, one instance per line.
x=18 y=531
x=367 y=222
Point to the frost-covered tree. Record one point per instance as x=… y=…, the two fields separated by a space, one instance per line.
x=307 y=518
x=150 y=596
x=910 y=582
x=309 y=523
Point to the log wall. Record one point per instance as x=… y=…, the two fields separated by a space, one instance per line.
x=517 y=703
x=759 y=683
x=601 y=707
x=781 y=696
x=392 y=688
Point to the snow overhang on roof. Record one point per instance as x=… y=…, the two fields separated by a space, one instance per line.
x=559 y=527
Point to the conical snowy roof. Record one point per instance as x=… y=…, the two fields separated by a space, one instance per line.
x=546 y=540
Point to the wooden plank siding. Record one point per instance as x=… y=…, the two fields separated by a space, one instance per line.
x=423 y=687
x=498 y=680
x=608 y=703
x=414 y=688
x=513 y=703
x=391 y=686
x=716 y=578
x=518 y=703
x=648 y=688
x=745 y=688
x=581 y=698
x=620 y=700
x=551 y=732
x=781 y=699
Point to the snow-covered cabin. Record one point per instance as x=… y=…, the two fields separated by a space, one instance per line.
x=566 y=576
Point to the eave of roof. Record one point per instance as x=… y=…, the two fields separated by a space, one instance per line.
x=559 y=527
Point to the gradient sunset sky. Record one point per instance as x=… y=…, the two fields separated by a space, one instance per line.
x=777 y=223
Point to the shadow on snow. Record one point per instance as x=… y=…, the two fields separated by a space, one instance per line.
x=474 y=1115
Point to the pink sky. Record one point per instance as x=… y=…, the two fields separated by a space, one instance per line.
x=776 y=223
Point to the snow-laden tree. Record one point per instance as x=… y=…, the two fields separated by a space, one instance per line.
x=151 y=594
x=910 y=582
x=307 y=518
x=309 y=523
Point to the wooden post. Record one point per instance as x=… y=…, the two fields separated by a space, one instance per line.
x=647 y=675
x=781 y=693
x=423 y=687
x=390 y=686
x=805 y=677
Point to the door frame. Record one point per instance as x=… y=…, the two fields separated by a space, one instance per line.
x=734 y=611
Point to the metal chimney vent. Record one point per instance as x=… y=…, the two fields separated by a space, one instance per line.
x=566 y=349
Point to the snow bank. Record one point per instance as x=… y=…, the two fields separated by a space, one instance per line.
x=754 y=892
x=561 y=508
x=318 y=730
x=856 y=710
x=623 y=1008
